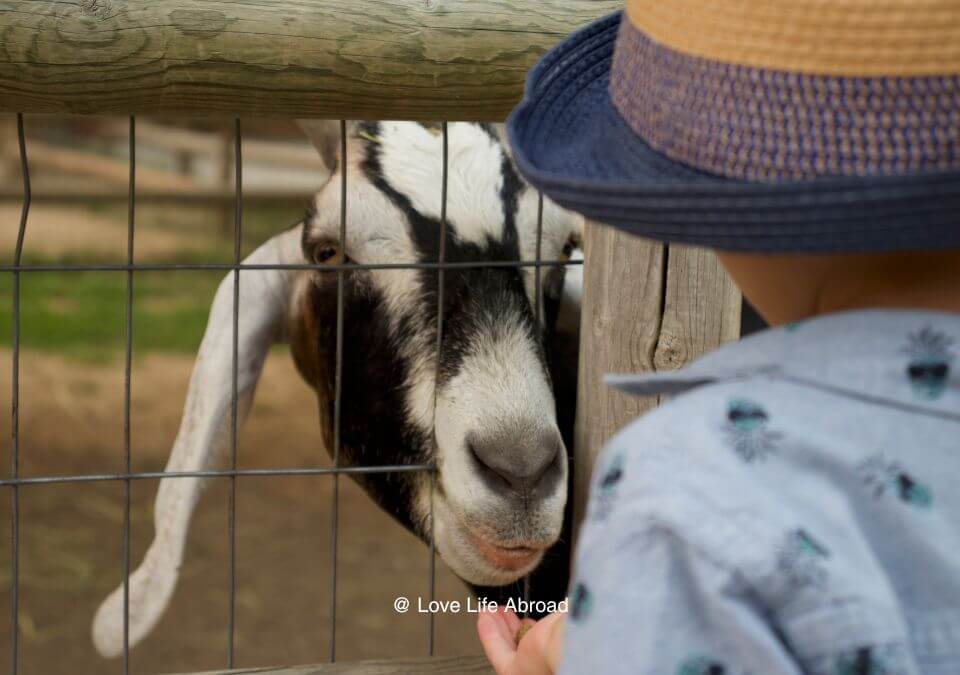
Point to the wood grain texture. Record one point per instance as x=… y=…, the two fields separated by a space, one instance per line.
x=457 y=665
x=701 y=308
x=392 y=59
x=645 y=307
x=623 y=289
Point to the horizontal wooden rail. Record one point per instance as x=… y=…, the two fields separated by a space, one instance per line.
x=451 y=665
x=295 y=155
x=391 y=59
x=112 y=170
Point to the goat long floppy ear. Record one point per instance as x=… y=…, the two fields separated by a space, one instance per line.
x=205 y=430
x=325 y=136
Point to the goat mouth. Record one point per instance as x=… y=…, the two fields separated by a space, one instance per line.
x=504 y=556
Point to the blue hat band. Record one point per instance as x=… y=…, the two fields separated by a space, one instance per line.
x=767 y=125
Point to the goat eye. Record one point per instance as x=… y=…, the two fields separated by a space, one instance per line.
x=326 y=253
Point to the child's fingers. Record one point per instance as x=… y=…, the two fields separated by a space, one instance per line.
x=513 y=621
x=497 y=640
x=551 y=619
x=523 y=628
x=553 y=639
x=494 y=621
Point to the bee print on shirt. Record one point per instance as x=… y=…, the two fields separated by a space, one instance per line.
x=747 y=430
x=929 y=364
x=607 y=489
x=701 y=665
x=801 y=559
x=792 y=326
x=704 y=665
x=873 y=660
x=581 y=602
x=883 y=477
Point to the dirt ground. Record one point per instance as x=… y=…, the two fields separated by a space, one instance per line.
x=70 y=540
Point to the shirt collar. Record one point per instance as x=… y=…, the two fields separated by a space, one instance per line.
x=902 y=357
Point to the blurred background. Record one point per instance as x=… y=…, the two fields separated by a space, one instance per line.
x=71 y=414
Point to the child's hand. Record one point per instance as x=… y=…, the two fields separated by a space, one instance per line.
x=538 y=651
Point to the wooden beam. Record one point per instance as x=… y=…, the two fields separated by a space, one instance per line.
x=455 y=665
x=392 y=59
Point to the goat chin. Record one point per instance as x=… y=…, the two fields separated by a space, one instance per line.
x=458 y=548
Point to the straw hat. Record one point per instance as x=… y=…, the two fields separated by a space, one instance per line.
x=814 y=125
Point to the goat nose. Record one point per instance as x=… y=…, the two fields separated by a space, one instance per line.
x=526 y=462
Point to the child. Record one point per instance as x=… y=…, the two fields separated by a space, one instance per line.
x=794 y=508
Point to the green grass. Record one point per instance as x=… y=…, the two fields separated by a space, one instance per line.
x=82 y=314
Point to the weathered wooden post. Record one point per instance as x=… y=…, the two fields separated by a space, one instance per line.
x=646 y=306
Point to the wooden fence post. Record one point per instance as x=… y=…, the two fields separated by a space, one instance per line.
x=623 y=281
x=701 y=307
x=645 y=307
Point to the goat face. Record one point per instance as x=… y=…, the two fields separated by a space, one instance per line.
x=485 y=414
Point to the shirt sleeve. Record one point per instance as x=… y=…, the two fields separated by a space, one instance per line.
x=644 y=601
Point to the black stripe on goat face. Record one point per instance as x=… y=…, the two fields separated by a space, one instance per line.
x=475 y=299
x=374 y=430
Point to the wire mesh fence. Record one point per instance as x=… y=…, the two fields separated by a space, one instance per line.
x=15 y=482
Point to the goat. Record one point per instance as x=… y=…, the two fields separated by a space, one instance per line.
x=485 y=415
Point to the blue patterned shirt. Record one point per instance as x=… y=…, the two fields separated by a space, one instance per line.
x=794 y=508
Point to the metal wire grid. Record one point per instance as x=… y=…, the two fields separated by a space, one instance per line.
x=15 y=481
